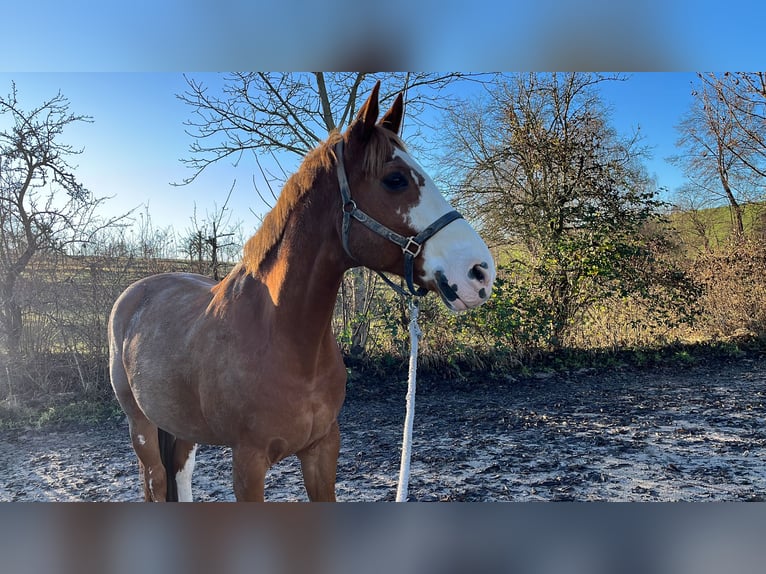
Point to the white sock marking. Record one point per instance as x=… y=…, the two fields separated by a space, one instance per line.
x=184 y=477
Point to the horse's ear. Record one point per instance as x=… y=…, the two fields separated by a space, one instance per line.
x=368 y=113
x=392 y=119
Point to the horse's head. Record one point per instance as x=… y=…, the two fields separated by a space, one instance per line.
x=395 y=218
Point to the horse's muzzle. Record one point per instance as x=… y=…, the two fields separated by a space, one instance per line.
x=469 y=293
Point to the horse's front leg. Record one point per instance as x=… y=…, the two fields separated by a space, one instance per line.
x=319 y=464
x=249 y=467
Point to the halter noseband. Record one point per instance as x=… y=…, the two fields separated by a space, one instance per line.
x=411 y=246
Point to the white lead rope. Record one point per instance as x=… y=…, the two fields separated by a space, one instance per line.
x=404 y=468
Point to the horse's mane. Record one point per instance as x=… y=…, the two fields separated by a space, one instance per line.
x=322 y=159
x=297 y=185
x=377 y=151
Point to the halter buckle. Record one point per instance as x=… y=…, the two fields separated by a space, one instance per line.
x=412 y=244
x=350 y=206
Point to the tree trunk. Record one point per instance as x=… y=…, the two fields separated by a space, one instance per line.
x=738 y=227
x=560 y=293
x=10 y=318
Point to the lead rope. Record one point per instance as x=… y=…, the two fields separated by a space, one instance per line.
x=404 y=467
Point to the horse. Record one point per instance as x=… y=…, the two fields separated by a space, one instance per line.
x=251 y=361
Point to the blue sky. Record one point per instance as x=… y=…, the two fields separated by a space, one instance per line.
x=132 y=148
x=144 y=35
x=654 y=102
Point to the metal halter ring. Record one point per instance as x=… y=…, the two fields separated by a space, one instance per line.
x=407 y=249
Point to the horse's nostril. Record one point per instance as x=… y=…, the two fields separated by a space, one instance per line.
x=477 y=272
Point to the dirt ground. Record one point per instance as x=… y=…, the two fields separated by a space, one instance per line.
x=691 y=433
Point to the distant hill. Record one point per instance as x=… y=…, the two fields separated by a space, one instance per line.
x=712 y=228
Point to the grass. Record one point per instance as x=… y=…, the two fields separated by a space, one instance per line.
x=567 y=360
x=46 y=414
x=718 y=224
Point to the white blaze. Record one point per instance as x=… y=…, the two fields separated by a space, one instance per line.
x=455 y=249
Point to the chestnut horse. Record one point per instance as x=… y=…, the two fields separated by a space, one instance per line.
x=251 y=362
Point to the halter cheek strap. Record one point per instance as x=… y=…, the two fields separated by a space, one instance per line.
x=411 y=246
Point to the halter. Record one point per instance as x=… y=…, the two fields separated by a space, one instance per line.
x=411 y=246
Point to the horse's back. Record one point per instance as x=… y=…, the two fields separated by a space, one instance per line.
x=158 y=296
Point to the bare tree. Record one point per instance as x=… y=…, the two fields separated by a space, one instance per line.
x=719 y=153
x=43 y=206
x=263 y=113
x=743 y=96
x=209 y=242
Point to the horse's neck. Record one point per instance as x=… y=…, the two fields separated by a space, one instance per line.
x=296 y=287
x=303 y=283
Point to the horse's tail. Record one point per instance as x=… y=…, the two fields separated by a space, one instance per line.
x=167 y=454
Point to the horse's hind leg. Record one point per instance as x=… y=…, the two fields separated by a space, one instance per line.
x=143 y=435
x=183 y=466
x=319 y=466
x=145 y=440
x=146 y=444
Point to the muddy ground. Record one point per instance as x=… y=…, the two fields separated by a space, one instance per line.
x=690 y=433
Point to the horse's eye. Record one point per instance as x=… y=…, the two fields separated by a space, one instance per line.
x=395 y=181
